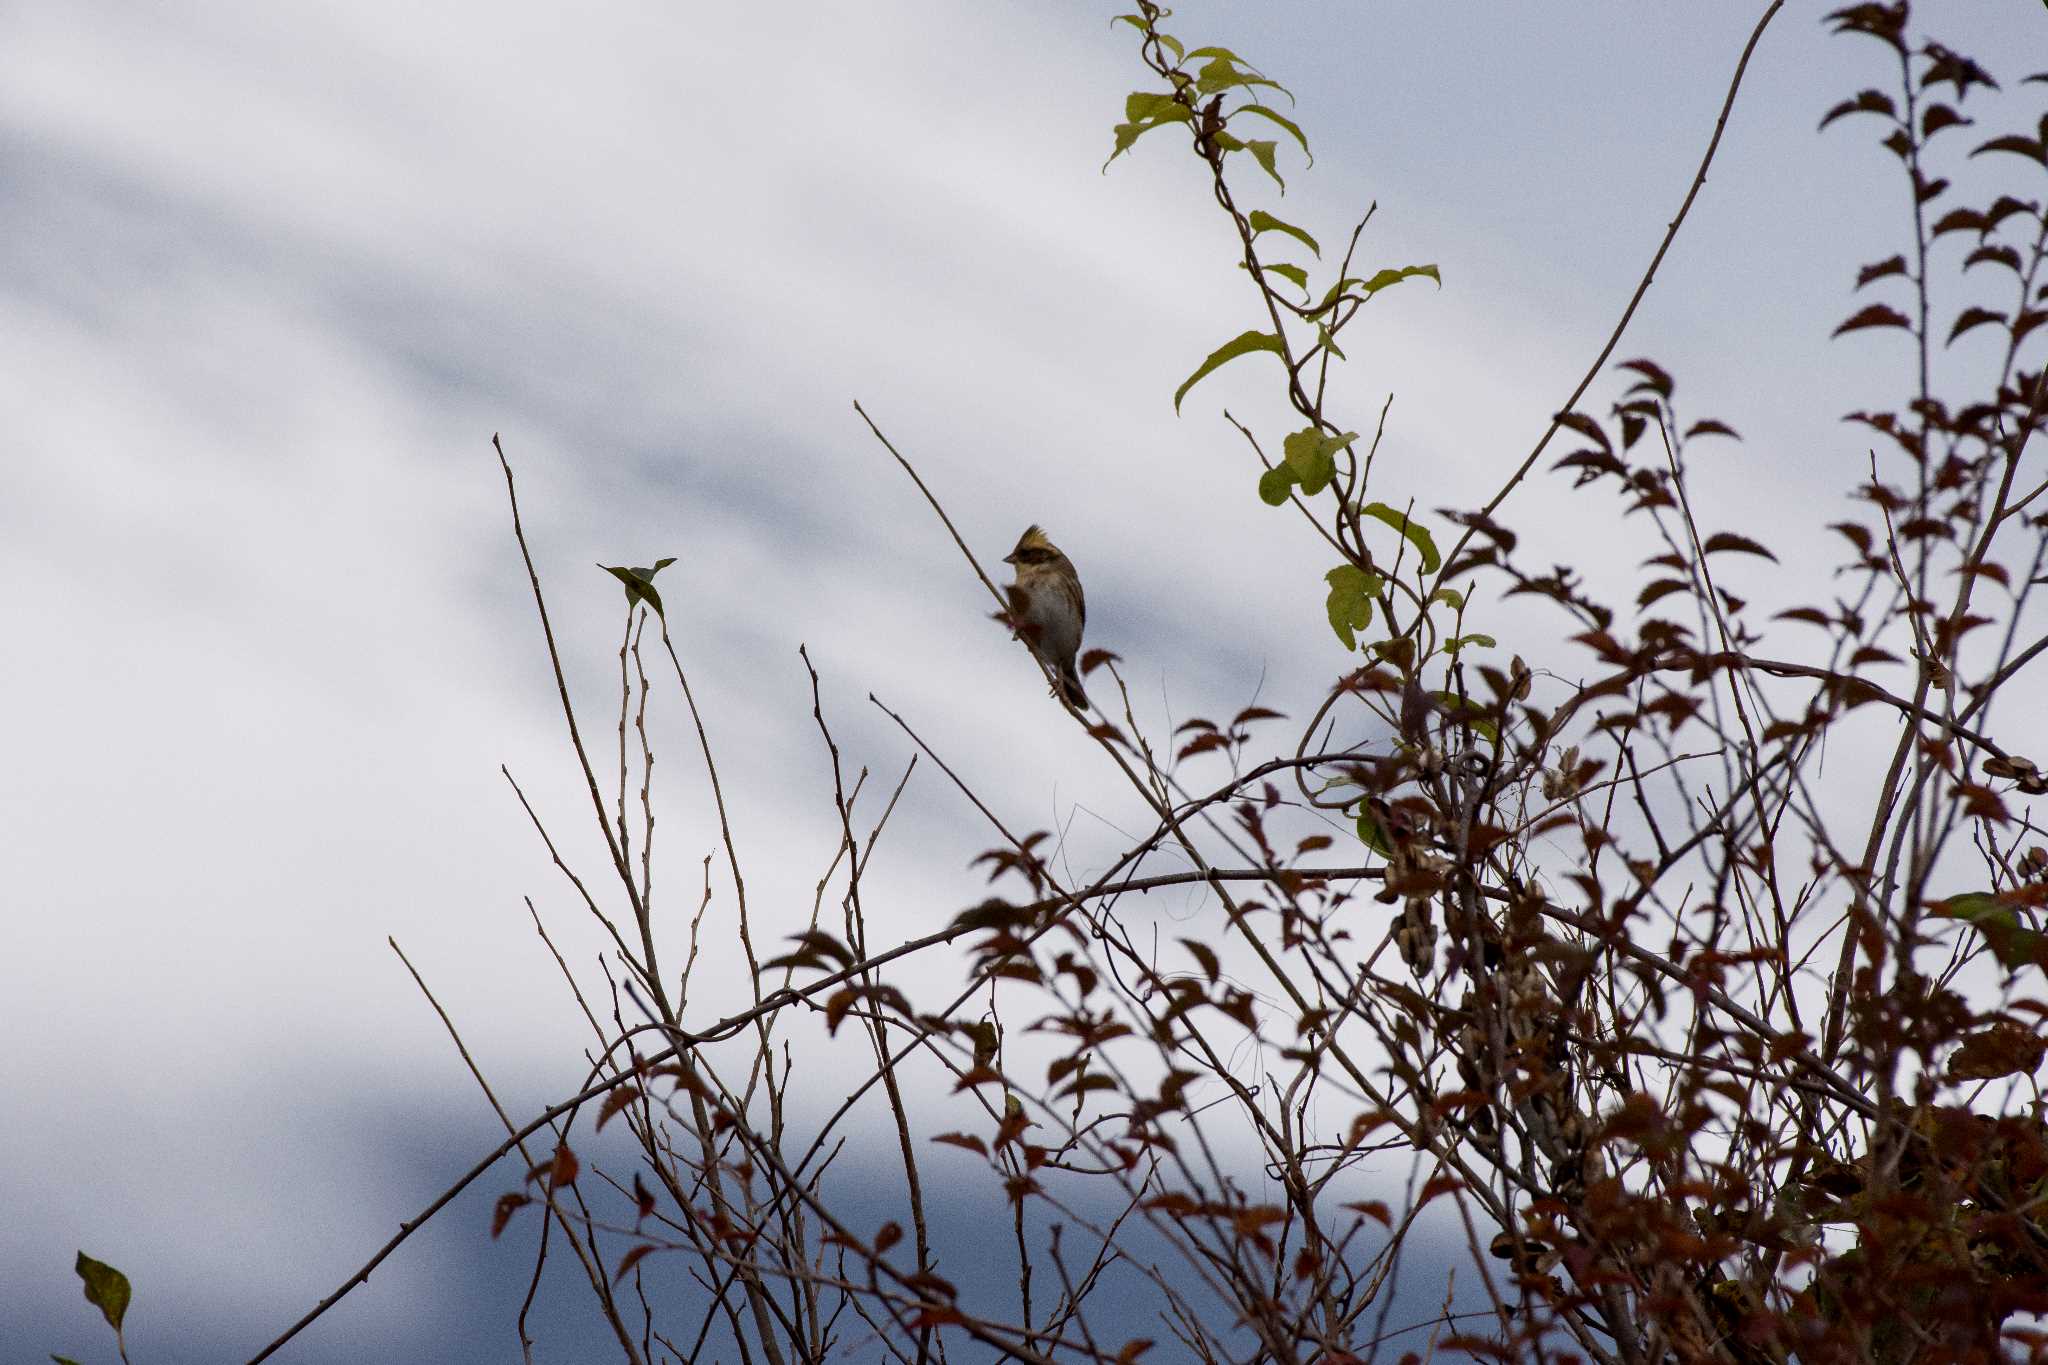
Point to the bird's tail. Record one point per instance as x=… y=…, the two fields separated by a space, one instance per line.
x=1070 y=684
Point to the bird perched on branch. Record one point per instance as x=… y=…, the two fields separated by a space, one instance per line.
x=1047 y=609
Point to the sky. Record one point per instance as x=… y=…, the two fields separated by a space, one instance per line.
x=275 y=274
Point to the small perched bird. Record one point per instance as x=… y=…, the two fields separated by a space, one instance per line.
x=1047 y=608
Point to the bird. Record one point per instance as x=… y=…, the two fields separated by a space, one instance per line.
x=1047 y=609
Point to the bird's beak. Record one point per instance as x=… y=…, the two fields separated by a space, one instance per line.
x=1009 y=559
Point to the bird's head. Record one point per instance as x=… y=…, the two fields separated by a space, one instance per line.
x=1032 y=548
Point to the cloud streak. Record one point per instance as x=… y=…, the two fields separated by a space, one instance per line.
x=276 y=274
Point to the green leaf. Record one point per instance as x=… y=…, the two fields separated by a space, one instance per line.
x=1229 y=351
x=1372 y=833
x=1274 y=485
x=1264 y=152
x=1145 y=110
x=105 y=1289
x=1301 y=448
x=1367 y=288
x=1289 y=124
x=1148 y=106
x=1417 y=536
x=1459 y=642
x=1330 y=295
x=1406 y=272
x=1262 y=221
x=1127 y=135
x=2010 y=941
x=1329 y=341
x=64 y=1360
x=1313 y=457
x=640 y=583
x=1450 y=595
x=1398 y=650
x=1320 y=471
x=1295 y=273
x=1350 y=602
x=1222 y=73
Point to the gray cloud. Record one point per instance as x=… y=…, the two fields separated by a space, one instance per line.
x=275 y=275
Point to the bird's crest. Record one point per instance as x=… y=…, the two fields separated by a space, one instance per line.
x=1033 y=539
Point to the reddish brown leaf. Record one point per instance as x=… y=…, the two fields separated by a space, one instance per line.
x=1653 y=378
x=1994 y=253
x=1972 y=317
x=836 y=1007
x=1663 y=587
x=1864 y=102
x=1586 y=427
x=633 y=1257
x=1638 y=1116
x=1960 y=220
x=1734 y=544
x=1923 y=528
x=508 y=1204
x=1013 y=1125
x=2005 y=1049
x=2030 y=148
x=978 y=1075
x=932 y=1286
x=1895 y=265
x=1939 y=117
x=1876 y=315
x=1859 y=536
x=616 y=1101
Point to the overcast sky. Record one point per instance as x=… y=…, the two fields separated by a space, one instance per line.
x=273 y=274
